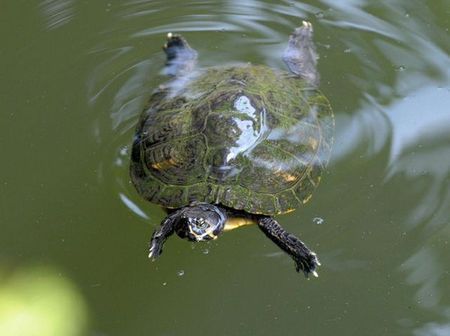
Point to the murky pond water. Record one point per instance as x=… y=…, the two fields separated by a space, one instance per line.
x=74 y=77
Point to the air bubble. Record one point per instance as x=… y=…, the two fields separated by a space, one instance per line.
x=180 y=273
x=318 y=220
x=124 y=150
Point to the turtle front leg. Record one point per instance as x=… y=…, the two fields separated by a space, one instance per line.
x=160 y=235
x=300 y=55
x=181 y=58
x=305 y=259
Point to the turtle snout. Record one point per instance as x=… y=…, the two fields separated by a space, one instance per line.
x=200 y=229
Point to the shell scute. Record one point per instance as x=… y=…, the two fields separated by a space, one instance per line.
x=248 y=137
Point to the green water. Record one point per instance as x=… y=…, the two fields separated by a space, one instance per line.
x=74 y=76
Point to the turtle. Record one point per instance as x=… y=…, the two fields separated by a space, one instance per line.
x=232 y=145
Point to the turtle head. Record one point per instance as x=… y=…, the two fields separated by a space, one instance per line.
x=200 y=222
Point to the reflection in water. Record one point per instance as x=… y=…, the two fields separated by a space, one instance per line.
x=428 y=270
x=249 y=135
x=421 y=154
x=424 y=271
x=420 y=150
x=393 y=54
x=57 y=12
x=40 y=302
x=411 y=123
x=128 y=98
x=368 y=126
x=433 y=165
x=433 y=329
x=133 y=206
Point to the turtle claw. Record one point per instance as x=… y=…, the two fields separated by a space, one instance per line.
x=305 y=260
x=307 y=24
x=154 y=251
x=316 y=259
x=300 y=55
x=151 y=254
x=307 y=263
x=158 y=238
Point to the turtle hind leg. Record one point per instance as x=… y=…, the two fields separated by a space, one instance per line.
x=305 y=260
x=180 y=57
x=300 y=55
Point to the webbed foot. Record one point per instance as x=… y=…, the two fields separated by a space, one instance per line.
x=300 y=55
x=181 y=58
x=305 y=260
x=307 y=263
x=161 y=234
x=156 y=244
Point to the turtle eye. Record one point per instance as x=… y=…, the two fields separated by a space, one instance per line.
x=201 y=223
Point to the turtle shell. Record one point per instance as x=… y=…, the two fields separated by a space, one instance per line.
x=247 y=137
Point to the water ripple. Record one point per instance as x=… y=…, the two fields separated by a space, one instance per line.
x=379 y=61
x=57 y=12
